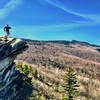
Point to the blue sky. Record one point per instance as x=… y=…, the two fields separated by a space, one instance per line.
x=52 y=19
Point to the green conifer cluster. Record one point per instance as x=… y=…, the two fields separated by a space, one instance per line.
x=69 y=85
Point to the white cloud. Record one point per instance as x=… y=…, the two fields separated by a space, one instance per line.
x=59 y=4
x=47 y=28
x=10 y=6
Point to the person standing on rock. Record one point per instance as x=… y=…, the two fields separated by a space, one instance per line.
x=7 y=29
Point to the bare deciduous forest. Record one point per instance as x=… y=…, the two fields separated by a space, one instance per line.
x=53 y=57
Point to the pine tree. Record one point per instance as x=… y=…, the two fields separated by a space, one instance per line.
x=35 y=73
x=70 y=85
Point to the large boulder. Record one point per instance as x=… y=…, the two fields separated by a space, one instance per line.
x=12 y=85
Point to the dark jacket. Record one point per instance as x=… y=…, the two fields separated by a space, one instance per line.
x=7 y=28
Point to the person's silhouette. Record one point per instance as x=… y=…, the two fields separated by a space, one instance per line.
x=7 y=28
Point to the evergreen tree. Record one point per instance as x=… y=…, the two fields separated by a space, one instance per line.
x=70 y=85
x=35 y=73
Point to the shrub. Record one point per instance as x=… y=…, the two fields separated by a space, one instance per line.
x=64 y=98
x=28 y=79
x=35 y=73
x=41 y=78
x=70 y=85
x=25 y=69
x=55 y=88
x=19 y=65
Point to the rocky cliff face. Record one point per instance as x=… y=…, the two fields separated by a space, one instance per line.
x=12 y=86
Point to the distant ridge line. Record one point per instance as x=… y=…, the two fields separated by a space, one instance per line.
x=63 y=42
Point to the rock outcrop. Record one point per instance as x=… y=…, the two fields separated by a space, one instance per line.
x=12 y=86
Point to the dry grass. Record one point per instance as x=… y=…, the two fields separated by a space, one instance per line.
x=51 y=60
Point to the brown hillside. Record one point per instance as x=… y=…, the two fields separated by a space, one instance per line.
x=52 y=58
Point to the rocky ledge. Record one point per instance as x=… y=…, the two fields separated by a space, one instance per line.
x=11 y=80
